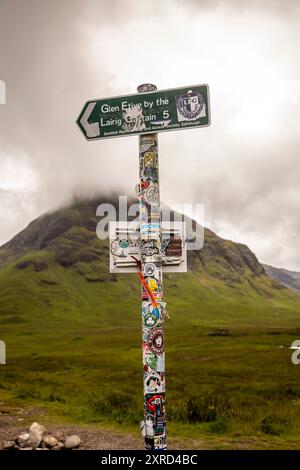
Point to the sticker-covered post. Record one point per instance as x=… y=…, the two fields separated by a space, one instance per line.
x=153 y=308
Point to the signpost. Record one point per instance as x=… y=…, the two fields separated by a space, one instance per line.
x=146 y=112
x=153 y=248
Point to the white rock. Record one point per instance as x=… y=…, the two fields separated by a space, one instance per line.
x=38 y=429
x=72 y=442
x=23 y=439
x=50 y=441
x=36 y=433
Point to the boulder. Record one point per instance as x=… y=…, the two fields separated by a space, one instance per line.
x=22 y=440
x=36 y=433
x=72 y=442
x=50 y=441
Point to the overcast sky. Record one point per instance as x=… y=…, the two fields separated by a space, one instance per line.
x=245 y=167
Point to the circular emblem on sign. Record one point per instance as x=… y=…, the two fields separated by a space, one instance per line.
x=155 y=340
x=151 y=194
x=149 y=269
x=190 y=104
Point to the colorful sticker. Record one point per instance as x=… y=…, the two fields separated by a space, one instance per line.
x=155 y=405
x=160 y=442
x=154 y=382
x=155 y=340
x=152 y=316
x=151 y=194
x=150 y=360
x=152 y=283
x=150 y=159
x=174 y=247
x=149 y=269
x=149 y=247
x=153 y=362
x=149 y=425
x=159 y=426
x=150 y=174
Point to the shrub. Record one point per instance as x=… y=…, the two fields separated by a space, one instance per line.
x=206 y=408
x=120 y=406
x=219 y=427
x=274 y=425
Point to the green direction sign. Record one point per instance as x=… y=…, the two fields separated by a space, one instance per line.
x=146 y=113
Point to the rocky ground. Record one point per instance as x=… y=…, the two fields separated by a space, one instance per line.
x=15 y=421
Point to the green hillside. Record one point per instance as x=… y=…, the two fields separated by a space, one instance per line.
x=73 y=335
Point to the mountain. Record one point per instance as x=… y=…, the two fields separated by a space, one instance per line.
x=60 y=250
x=69 y=236
x=73 y=333
x=288 y=278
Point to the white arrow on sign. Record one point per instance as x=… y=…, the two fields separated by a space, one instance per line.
x=92 y=130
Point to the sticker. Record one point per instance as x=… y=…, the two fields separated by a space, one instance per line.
x=155 y=288
x=123 y=247
x=149 y=247
x=150 y=320
x=160 y=366
x=155 y=404
x=154 y=383
x=155 y=340
x=151 y=315
x=151 y=194
x=144 y=185
x=159 y=427
x=148 y=228
x=150 y=159
x=153 y=362
x=190 y=106
x=174 y=247
x=149 y=269
x=151 y=173
x=145 y=334
x=150 y=360
x=160 y=442
x=149 y=425
x=152 y=283
x=133 y=118
x=146 y=145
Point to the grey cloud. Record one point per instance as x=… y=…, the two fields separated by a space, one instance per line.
x=250 y=190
